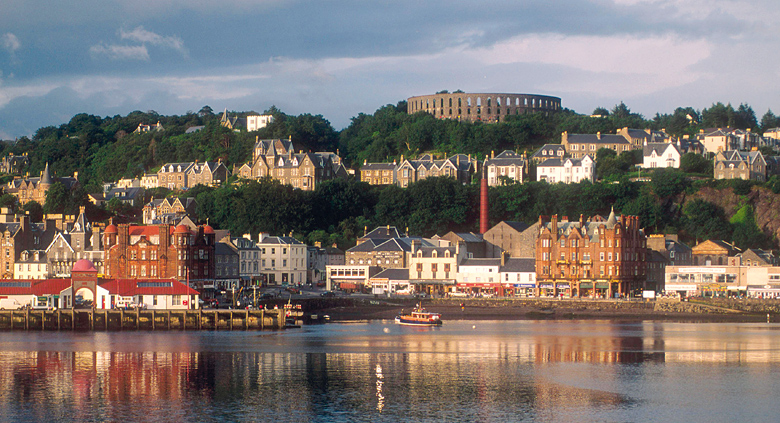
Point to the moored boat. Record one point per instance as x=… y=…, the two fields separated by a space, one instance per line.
x=419 y=317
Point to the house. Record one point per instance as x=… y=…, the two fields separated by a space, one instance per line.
x=668 y=245
x=507 y=167
x=149 y=181
x=255 y=122
x=735 y=164
x=566 y=170
x=590 y=258
x=474 y=243
x=660 y=155
x=194 y=129
x=719 y=140
x=755 y=257
x=32 y=264
x=638 y=137
x=459 y=167
x=378 y=173
x=277 y=159
x=319 y=259
x=549 y=151
x=231 y=122
x=207 y=174
x=249 y=271
x=12 y=164
x=174 y=175
x=142 y=127
x=169 y=209
x=713 y=253
x=35 y=189
x=130 y=196
x=580 y=145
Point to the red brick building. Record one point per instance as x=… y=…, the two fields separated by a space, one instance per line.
x=159 y=251
x=594 y=258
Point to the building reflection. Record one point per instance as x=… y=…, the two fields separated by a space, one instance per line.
x=528 y=370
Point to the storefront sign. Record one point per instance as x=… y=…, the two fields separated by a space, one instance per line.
x=670 y=287
x=546 y=285
x=525 y=285
x=563 y=286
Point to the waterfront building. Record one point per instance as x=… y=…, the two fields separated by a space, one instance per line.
x=497 y=276
x=669 y=246
x=474 y=243
x=319 y=258
x=282 y=260
x=590 y=258
x=434 y=269
x=725 y=280
x=227 y=275
x=159 y=251
x=350 y=277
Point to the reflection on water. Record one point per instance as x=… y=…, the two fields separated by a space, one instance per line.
x=463 y=371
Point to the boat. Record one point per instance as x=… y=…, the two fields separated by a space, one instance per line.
x=419 y=317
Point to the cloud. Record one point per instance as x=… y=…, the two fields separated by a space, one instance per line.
x=116 y=52
x=10 y=42
x=139 y=34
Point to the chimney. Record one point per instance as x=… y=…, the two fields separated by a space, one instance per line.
x=503 y=258
x=483 y=203
x=565 y=219
x=598 y=135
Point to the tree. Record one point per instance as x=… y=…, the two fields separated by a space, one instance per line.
x=695 y=163
x=205 y=111
x=769 y=121
x=8 y=200
x=600 y=111
x=34 y=210
x=56 y=199
x=668 y=182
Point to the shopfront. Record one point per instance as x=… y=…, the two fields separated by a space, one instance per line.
x=524 y=289
x=563 y=289
x=546 y=289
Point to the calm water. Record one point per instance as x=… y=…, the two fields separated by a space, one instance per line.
x=464 y=371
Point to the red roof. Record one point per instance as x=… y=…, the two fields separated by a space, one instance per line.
x=84 y=265
x=129 y=287
x=208 y=230
x=147 y=231
x=37 y=287
x=181 y=229
x=111 y=229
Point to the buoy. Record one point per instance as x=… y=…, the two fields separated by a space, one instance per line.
x=386 y=330
x=474 y=327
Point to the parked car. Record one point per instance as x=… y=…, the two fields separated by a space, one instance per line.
x=328 y=294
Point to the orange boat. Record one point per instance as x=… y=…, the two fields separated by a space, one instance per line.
x=419 y=317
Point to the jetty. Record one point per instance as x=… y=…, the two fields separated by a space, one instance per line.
x=149 y=320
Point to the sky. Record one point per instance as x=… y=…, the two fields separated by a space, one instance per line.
x=342 y=58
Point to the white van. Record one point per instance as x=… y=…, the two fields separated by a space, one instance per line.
x=9 y=304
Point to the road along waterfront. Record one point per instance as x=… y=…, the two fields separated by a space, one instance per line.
x=466 y=370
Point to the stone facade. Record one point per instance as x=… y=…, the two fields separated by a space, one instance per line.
x=591 y=258
x=483 y=107
x=515 y=238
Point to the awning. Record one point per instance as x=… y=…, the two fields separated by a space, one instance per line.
x=602 y=285
x=347 y=285
x=586 y=285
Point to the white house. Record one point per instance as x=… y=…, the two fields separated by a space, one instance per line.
x=657 y=155
x=566 y=170
x=255 y=122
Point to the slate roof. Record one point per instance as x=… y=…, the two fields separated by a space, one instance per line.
x=527 y=265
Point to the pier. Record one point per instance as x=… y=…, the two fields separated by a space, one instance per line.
x=151 y=320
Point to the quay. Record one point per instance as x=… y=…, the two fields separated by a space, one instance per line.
x=153 y=320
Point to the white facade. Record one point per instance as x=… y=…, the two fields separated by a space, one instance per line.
x=566 y=170
x=255 y=122
x=661 y=155
x=149 y=181
x=283 y=260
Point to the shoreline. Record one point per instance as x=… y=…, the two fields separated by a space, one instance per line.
x=547 y=311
